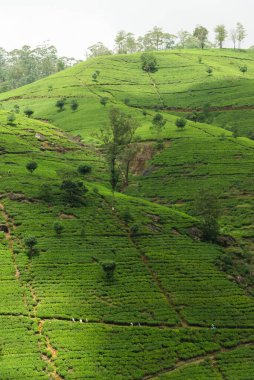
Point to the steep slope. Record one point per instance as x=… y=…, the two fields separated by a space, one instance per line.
x=153 y=319
x=60 y=316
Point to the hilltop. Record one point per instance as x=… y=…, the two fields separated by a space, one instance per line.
x=61 y=316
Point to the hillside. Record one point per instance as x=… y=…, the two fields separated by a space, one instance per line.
x=61 y=317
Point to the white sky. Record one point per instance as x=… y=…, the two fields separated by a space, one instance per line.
x=73 y=25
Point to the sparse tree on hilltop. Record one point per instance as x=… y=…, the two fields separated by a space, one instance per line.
x=220 y=35
x=240 y=34
x=149 y=62
x=201 y=33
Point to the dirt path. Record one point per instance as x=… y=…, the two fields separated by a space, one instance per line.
x=9 y=223
x=196 y=360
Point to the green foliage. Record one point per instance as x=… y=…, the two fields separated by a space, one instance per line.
x=84 y=169
x=243 y=69
x=30 y=243
x=149 y=63
x=209 y=71
x=104 y=100
x=109 y=268
x=11 y=119
x=46 y=192
x=73 y=192
x=208 y=210
x=28 y=112
x=60 y=104
x=31 y=166
x=181 y=123
x=201 y=34
x=158 y=123
x=134 y=229
x=74 y=105
x=58 y=228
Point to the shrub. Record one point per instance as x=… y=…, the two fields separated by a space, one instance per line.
x=243 y=69
x=28 y=112
x=104 y=100
x=30 y=243
x=58 y=228
x=84 y=169
x=149 y=62
x=134 y=229
x=60 y=104
x=74 y=105
x=31 y=166
x=11 y=118
x=209 y=71
x=109 y=268
x=73 y=192
x=180 y=122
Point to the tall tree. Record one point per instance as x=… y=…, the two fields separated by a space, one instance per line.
x=120 y=41
x=98 y=49
x=240 y=34
x=183 y=36
x=201 y=33
x=233 y=36
x=220 y=34
x=116 y=138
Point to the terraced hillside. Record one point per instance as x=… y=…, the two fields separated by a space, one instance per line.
x=169 y=311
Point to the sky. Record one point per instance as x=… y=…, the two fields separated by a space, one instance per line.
x=74 y=25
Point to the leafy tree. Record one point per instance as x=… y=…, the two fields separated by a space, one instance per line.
x=116 y=138
x=126 y=157
x=233 y=36
x=31 y=166
x=149 y=62
x=109 y=268
x=99 y=49
x=120 y=41
x=240 y=34
x=243 y=69
x=208 y=210
x=74 y=105
x=180 y=122
x=220 y=35
x=60 y=104
x=73 y=192
x=31 y=243
x=28 y=112
x=201 y=34
x=104 y=100
x=84 y=169
x=183 y=37
x=11 y=118
x=134 y=229
x=158 y=123
x=58 y=228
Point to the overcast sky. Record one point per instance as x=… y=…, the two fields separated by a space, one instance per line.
x=73 y=25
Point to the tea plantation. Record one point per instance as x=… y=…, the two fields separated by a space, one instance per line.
x=170 y=310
